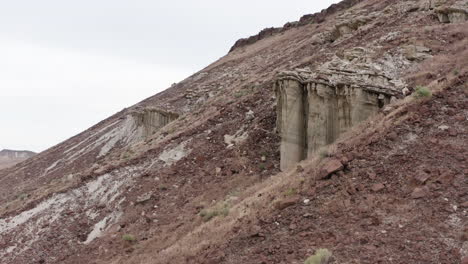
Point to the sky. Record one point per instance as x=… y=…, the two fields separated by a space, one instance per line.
x=66 y=65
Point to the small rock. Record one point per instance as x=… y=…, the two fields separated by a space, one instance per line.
x=371 y=175
x=443 y=127
x=306 y=201
x=330 y=166
x=377 y=187
x=387 y=109
x=405 y=91
x=418 y=193
x=144 y=197
x=285 y=203
x=249 y=115
x=422 y=177
x=218 y=170
x=263 y=158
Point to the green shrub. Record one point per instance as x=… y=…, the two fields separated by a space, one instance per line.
x=129 y=238
x=421 y=92
x=218 y=210
x=321 y=256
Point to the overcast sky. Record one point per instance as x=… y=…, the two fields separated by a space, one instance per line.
x=66 y=65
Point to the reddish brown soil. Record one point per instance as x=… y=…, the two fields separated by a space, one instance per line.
x=402 y=198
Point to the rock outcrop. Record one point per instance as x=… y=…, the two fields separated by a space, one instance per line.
x=456 y=13
x=9 y=158
x=150 y=120
x=315 y=107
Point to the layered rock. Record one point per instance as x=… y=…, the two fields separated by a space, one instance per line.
x=456 y=13
x=316 y=107
x=150 y=120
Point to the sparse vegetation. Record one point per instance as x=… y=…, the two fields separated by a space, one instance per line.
x=218 y=210
x=290 y=192
x=456 y=72
x=261 y=166
x=321 y=256
x=129 y=238
x=422 y=92
x=23 y=196
x=127 y=154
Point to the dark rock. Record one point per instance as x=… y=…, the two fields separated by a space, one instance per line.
x=330 y=166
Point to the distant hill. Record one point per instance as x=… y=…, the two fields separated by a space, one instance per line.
x=9 y=157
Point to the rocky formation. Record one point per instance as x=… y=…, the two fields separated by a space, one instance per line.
x=144 y=187
x=9 y=158
x=456 y=13
x=316 y=107
x=149 y=120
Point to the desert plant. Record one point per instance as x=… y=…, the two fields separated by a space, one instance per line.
x=23 y=196
x=261 y=166
x=217 y=210
x=290 y=192
x=129 y=238
x=422 y=92
x=321 y=256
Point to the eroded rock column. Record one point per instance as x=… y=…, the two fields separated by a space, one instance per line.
x=291 y=123
x=329 y=114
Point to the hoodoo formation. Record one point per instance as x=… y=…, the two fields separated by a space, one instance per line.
x=315 y=108
x=207 y=171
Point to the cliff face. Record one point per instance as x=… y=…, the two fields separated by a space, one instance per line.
x=315 y=108
x=192 y=175
x=9 y=158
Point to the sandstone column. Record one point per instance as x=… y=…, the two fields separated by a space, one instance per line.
x=291 y=123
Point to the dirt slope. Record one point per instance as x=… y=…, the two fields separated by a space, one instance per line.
x=206 y=188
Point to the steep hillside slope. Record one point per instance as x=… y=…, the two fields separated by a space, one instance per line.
x=193 y=174
x=9 y=157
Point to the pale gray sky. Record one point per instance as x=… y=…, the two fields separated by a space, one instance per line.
x=65 y=65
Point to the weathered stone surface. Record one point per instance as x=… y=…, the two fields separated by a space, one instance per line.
x=377 y=187
x=419 y=193
x=151 y=120
x=315 y=107
x=291 y=122
x=416 y=53
x=456 y=13
x=287 y=202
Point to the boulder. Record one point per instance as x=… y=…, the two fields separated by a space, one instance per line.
x=329 y=167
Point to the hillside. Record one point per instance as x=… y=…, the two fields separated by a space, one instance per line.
x=9 y=158
x=346 y=130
